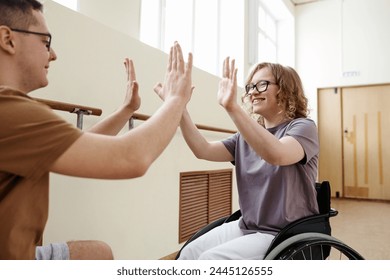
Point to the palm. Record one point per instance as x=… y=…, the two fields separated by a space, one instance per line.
x=132 y=99
x=227 y=91
x=178 y=79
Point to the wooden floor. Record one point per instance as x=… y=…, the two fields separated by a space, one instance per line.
x=364 y=226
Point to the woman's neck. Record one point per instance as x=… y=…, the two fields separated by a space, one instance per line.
x=275 y=120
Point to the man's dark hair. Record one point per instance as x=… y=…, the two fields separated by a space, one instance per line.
x=18 y=13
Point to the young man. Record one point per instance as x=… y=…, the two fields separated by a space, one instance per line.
x=34 y=141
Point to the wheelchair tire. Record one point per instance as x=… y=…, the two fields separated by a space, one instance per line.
x=313 y=246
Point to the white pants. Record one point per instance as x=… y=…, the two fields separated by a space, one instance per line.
x=227 y=242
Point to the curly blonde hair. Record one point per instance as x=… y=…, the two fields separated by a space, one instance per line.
x=290 y=95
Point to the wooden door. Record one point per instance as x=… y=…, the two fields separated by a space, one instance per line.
x=366 y=153
x=330 y=139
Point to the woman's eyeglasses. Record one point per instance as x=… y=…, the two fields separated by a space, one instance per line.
x=260 y=87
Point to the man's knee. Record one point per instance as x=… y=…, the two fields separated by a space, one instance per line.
x=90 y=250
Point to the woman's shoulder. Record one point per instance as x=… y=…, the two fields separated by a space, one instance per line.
x=302 y=122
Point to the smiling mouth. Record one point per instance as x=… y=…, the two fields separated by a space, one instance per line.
x=258 y=100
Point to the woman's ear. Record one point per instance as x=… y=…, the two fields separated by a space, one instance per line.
x=7 y=43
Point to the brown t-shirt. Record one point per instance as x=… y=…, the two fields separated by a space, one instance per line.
x=32 y=137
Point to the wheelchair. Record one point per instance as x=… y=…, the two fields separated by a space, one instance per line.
x=308 y=238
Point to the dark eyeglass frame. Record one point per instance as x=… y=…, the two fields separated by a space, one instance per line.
x=262 y=83
x=35 y=33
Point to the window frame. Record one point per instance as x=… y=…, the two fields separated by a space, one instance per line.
x=255 y=30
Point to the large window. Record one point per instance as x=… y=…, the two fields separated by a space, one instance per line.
x=211 y=29
x=262 y=33
x=250 y=31
x=271 y=32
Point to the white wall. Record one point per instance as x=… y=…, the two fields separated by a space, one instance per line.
x=342 y=42
x=122 y=15
x=139 y=217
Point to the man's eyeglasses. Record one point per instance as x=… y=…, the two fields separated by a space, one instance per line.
x=260 y=87
x=48 y=35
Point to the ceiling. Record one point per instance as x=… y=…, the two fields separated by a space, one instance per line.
x=300 y=2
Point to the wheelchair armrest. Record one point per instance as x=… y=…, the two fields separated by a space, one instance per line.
x=234 y=217
x=333 y=212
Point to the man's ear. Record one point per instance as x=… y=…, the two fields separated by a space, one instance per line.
x=7 y=42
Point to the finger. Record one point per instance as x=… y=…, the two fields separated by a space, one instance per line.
x=179 y=57
x=126 y=63
x=189 y=63
x=225 y=70
x=157 y=88
x=131 y=71
x=235 y=77
x=232 y=68
x=174 y=57
x=134 y=87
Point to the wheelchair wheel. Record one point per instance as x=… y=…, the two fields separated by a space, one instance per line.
x=313 y=246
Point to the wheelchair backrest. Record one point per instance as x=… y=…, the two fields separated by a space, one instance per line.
x=323 y=196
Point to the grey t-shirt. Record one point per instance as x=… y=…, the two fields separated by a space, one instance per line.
x=270 y=196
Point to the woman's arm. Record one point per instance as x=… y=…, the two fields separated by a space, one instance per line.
x=202 y=149
x=112 y=124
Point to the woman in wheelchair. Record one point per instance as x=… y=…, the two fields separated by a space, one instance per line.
x=275 y=153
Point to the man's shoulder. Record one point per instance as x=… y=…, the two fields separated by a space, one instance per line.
x=9 y=92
